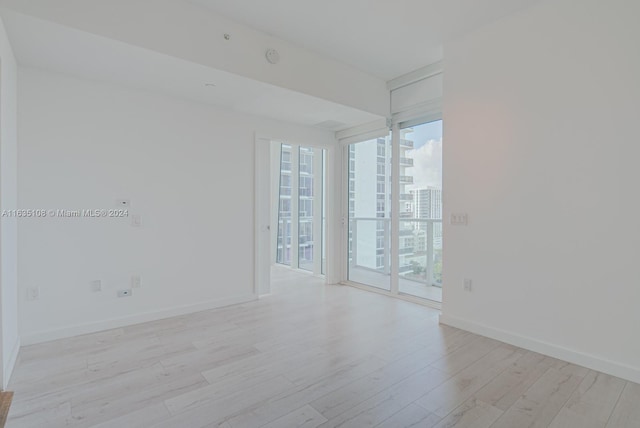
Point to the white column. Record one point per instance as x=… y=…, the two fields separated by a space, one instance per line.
x=318 y=178
x=334 y=181
x=295 y=211
x=395 y=207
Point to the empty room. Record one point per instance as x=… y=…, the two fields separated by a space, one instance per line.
x=304 y=213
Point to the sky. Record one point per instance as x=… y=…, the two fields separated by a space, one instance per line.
x=429 y=131
x=427 y=156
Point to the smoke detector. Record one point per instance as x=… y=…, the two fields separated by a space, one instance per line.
x=272 y=56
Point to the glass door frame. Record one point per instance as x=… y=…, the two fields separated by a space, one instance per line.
x=319 y=186
x=394 y=126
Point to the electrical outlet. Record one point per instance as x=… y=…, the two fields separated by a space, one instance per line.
x=136 y=282
x=467 y=285
x=33 y=293
x=96 y=285
x=124 y=293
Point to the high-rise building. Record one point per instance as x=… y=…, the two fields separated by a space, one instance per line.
x=428 y=206
x=407 y=208
x=427 y=203
x=284 y=207
x=370 y=200
x=306 y=200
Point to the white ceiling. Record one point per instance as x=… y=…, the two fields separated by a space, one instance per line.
x=51 y=46
x=385 y=38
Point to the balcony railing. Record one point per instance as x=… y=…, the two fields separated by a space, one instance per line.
x=406 y=161
x=406 y=143
x=421 y=261
x=408 y=179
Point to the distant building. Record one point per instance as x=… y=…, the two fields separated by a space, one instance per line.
x=427 y=203
x=428 y=206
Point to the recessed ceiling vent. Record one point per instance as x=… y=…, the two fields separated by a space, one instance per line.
x=333 y=125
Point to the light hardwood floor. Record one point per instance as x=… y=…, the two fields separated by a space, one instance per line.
x=309 y=356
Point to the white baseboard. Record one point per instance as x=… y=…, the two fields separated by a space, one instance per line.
x=77 y=330
x=10 y=364
x=576 y=357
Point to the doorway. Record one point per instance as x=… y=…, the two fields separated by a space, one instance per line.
x=291 y=211
x=300 y=228
x=396 y=251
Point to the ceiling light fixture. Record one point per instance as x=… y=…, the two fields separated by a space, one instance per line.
x=210 y=84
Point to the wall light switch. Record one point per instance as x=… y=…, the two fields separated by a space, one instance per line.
x=458 y=219
x=467 y=285
x=136 y=220
x=135 y=281
x=96 y=286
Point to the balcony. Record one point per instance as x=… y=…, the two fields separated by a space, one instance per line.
x=420 y=265
x=406 y=197
x=406 y=179
x=408 y=144
x=406 y=162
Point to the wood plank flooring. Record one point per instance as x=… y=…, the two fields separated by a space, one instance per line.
x=309 y=356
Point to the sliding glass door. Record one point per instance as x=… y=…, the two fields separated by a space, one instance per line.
x=416 y=269
x=369 y=199
x=420 y=254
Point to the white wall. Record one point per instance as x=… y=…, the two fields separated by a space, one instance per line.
x=8 y=200
x=541 y=150
x=188 y=171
